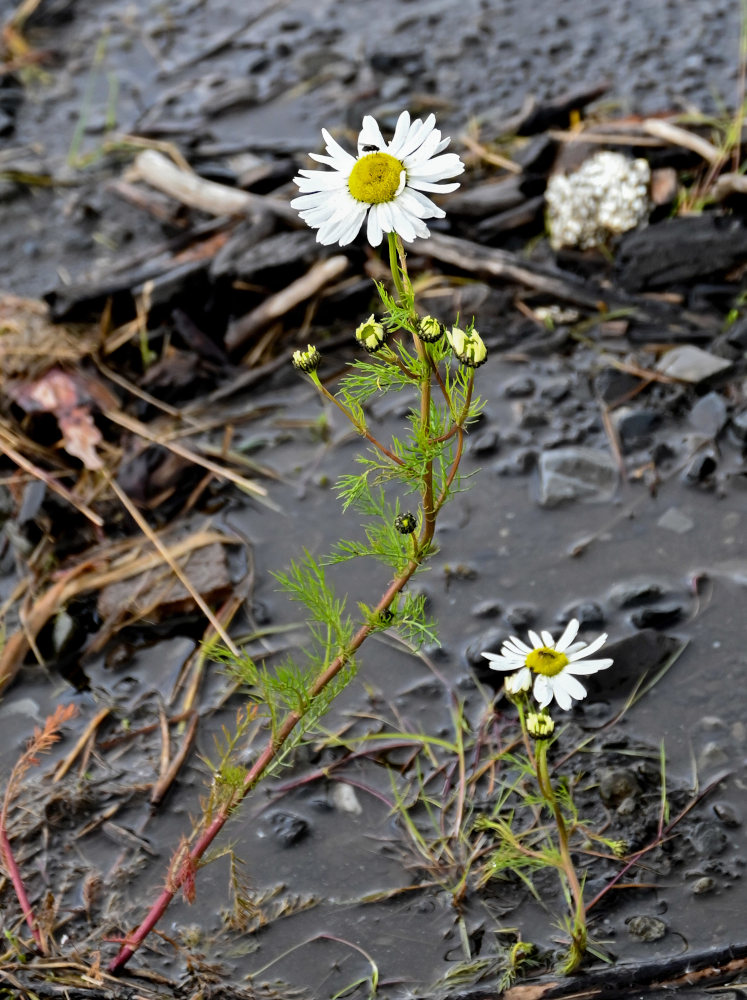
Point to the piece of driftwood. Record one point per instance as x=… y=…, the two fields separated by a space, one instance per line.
x=278 y=305
x=490 y=262
x=700 y=968
x=208 y=196
x=681 y=250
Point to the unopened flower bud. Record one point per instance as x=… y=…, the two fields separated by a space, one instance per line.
x=307 y=361
x=539 y=725
x=430 y=330
x=371 y=335
x=405 y=523
x=468 y=346
x=518 y=683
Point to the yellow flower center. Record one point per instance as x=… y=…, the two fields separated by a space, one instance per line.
x=547 y=661
x=375 y=178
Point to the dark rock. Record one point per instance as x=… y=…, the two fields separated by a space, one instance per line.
x=636 y=427
x=288 y=828
x=484 y=444
x=589 y=614
x=486 y=609
x=521 y=616
x=487 y=642
x=739 y=424
x=707 y=839
x=709 y=415
x=702 y=467
x=576 y=473
x=520 y=387
x=658 y=617
x=616 y=785
x=680 y=250
x=632 y=657
x=736 y=335
x=646 y=928
x=728 y=815
x=635 y=593
x=611 y=384
x=556 y=390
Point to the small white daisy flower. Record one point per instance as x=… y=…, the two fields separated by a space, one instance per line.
x=554 y=664
x=385 y=181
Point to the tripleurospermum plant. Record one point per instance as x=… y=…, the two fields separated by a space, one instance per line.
x=543 y=672
x=401 y=488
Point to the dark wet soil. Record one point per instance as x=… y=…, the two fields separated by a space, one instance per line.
x=655 y=556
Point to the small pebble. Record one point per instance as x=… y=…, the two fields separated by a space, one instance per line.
x=646 y=928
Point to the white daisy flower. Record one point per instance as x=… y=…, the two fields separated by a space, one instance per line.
x=553 y=664
x=385 y=181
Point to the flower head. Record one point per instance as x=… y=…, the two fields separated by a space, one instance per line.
x=540 y=726
x=468 y=346
x=371 y=335
x=405 y=523
x=385 y=182
x=308 y=360
x=553 y=665
x=430 y=330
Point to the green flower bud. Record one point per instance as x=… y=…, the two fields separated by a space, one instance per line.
x=307 y=361
x=371 y=335
x=539 y=725
x=430 y=330
x=405 y=523
x=468 y=346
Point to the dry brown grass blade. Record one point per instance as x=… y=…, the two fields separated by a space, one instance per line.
x=23 y=463
x=64 y=766
x=165 y=554
x=17 y=645
x=143 y=431
x=169 y=775
x=87 y=577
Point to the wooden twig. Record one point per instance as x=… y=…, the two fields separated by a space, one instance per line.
x=278 y=305
x=677 y=136
x=683 y=970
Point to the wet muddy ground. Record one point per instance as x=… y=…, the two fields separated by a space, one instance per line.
x=643 y=539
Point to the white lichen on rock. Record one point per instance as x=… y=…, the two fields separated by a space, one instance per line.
x=606 y=196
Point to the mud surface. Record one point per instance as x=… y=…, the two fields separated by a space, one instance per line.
x=656 y=556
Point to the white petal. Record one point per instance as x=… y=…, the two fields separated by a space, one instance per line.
x=535 y=640
x=587 y=666
x=320 y=180
x=370 y=135
x=417 y=134
x=426 y=150
x=402 y=222
x=500 y=662
x=437 y=188
x=373 y=230
x=335 y=149
x=591 y=648
x=568 y=684
x=400 y=133
x=562 y=697
x=568 y=635
x=429 y=210
x=543 y=691
x=316 y=199
x=518 y=645
x=446 y=165
x=547 y=639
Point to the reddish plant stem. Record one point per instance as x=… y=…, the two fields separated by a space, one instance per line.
x=270 y=751
x=9 y=864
